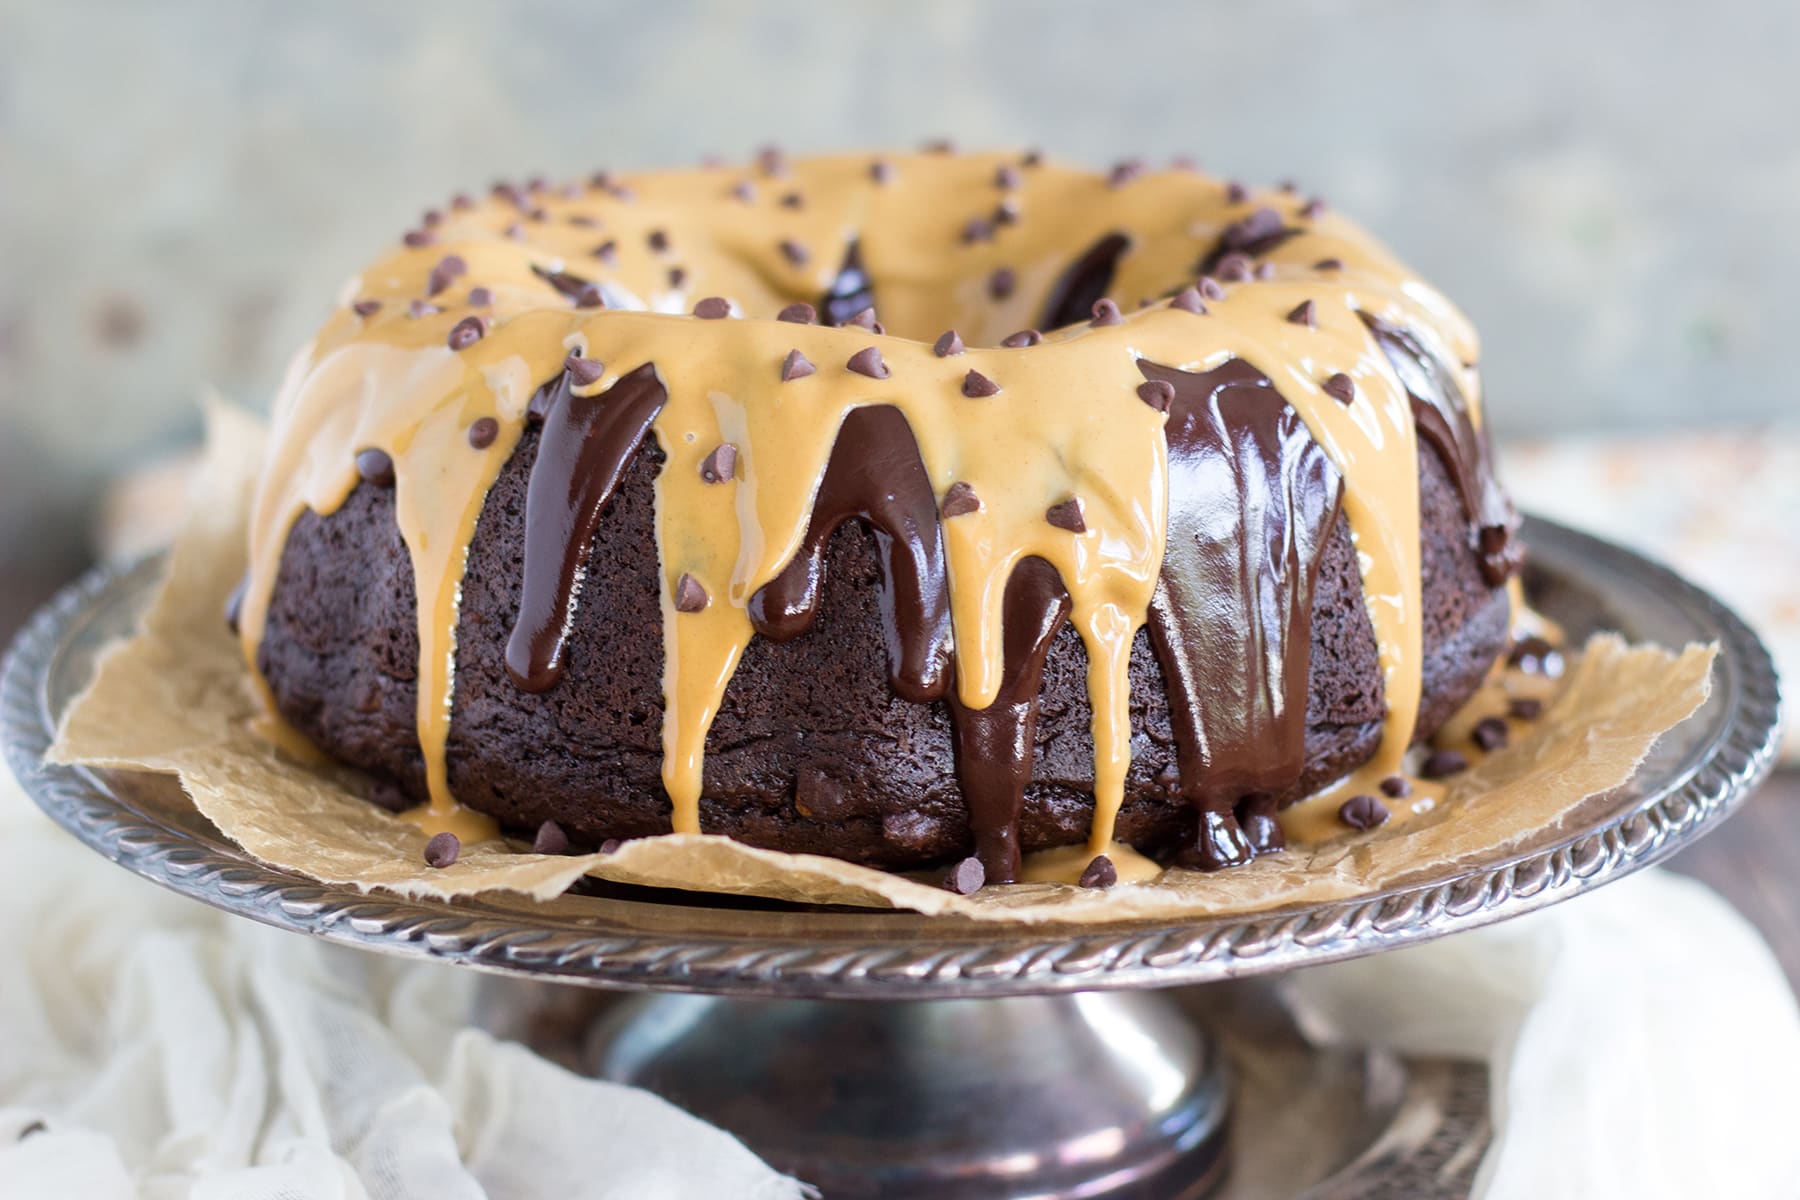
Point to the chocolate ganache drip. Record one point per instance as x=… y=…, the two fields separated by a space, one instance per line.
x=586 y=445
x=1085 y=281
x=875 y=475
x=1442 y=415
x=1251 y=499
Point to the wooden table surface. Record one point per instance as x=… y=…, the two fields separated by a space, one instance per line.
x=1753 y=859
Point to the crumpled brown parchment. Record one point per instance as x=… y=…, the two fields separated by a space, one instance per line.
x=175 y=699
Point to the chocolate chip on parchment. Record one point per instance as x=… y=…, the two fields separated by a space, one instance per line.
x=966 y=877
x=550 y=839
x=442 y=849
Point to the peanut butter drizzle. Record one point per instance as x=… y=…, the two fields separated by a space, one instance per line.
x=1066 y=423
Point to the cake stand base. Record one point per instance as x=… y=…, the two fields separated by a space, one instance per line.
x=1171 y=1095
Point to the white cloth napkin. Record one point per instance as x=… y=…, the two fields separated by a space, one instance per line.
x=1642 y=1044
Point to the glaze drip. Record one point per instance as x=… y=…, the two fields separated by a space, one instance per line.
x=587 y=442
x=875 y=476
x=1252 y=498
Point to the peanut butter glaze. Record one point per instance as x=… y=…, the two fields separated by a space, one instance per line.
x=1071 y=469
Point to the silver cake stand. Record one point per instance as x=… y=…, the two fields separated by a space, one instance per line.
x=891 y=1054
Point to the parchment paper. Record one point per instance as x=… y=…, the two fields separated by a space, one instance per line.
x=175 y=698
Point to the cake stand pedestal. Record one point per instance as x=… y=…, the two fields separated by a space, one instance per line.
x=890 y=1054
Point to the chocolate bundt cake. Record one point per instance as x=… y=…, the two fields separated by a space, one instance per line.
x=753 y=502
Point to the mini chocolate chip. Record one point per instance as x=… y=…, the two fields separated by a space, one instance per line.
x=881 y=170
x=721 y=464
x=466 y=333
x=713 y=308
x=1288 y=186
x=1002 y=282
x=939 y=146
x=867 y=361
x=375 y=466
x=583 y=372
x=1363 y=811
x=461 y=202
x=582 y=221
x=480 y=297
x=1183 y=162
x=442 y=850
x=1313 y=209
x=1106 y=312
x=602 y=180
x=1021 y=339
x=1490 y=734
x=366 y=308
x=1032 y=158
x=445 y=273
x=794 y=252
x=795 y=366
x=622 y=193
x=1236 y=268
x=1211 y=288
x=419 y=237
x=421 y=308
x=959 y=500
x=1098 y=874
x=1157 y=393
x=1396 y=787
x=1340 y=387
x=536 y=183
x=1243 y=234
x=677 y=276
x=483 y=432
x=798 y=314
x=864 y=319
x=744 y=190
x=507 y=192
x=1236 y=193
x=771 y=161
x=1123 y=173
x=1188 y=300
x=1006 y=212
x=1442 y=763
x=793 y=200
x=1263 y=271
x=690 y=597
x=975 y=385
x=607 y=252
x=977 y=229
x=1304 y=313
x=966 y=877
x=1067 y=515
x=550 y=839
x=610 y=846
x=588 y=295
x=1006 y=176
x=948 y=345
x=1526 y=708
x=1329 y=264
x=658 y=239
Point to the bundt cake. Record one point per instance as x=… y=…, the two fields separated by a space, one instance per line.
x=754 y=502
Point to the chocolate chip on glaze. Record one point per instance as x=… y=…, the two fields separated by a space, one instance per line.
x=796 y=366
x=793 y=200
x=483 y=432
x=1396 y=787
x=1157 y=393
x=466 y=333
x=959 y=500
x=515 y=231
x=690 y=597
x=796 y=254
x=582 y=221
x=1188 y=300
x=948 y=345
x=1313 y=209
x=461 y=202
x=421 y=308
x=1211 y=288
x=1100 y=873
x=589 y=296
x=448 y=270
x=867 y=361
x=798 y=314
x=721 y=465
x=1363 y=812
x=658 y=240
x=1288 y=187
x=677 y=276
x=607 y=252
x=1007 y=176
x=1304 y=313
x=1236 y=267
x=713 y=308
x=366 y=308
x=480 y=297
x=772 y=162
x=1124 y=172
x=1002 y=283
x=966 y=877
x=1067 y=515
x=1236 y=193
x=1329 y=264
x=975 y=385
x=1106 y=313
x=881 y=171
x=1032 y=158
x=1340 y=387
x=375 y=466
x=864 y=319
x=744 y=190
x=416 y=238
x=1443 y=763
x=1264 y=271
x=977 y=229
x=442 y=850
x=1021 y=339
x=584 y=372
x=1006 y=212
x=432 y=218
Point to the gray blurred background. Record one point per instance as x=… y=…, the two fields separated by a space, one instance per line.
x=1610 y=188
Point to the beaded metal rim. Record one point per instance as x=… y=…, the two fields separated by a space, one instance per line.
x=658 y=944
